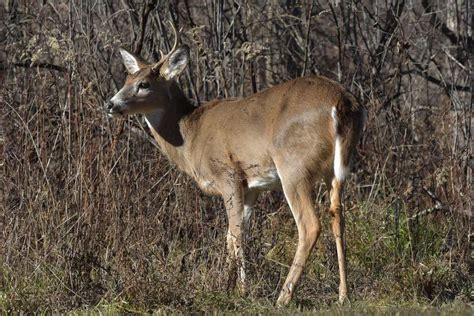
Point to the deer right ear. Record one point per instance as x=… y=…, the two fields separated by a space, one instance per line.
x=131 y=62
x=176 y=63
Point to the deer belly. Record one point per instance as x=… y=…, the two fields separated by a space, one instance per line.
x=267 y=181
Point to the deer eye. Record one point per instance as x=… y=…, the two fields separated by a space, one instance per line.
x=143 y=85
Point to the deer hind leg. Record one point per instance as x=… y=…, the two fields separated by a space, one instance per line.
x=299 y=196
x=250 y=198
x=337 y=215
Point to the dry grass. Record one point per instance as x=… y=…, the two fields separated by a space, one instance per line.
x=94 y=217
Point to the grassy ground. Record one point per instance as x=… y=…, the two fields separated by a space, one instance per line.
x=383 y=276
x=244 y=306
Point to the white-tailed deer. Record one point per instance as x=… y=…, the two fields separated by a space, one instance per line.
x=285 y=137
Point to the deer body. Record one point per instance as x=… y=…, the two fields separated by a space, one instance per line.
x=245 y=138
x=286 y=137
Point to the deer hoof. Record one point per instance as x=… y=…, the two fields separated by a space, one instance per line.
x=344 y=301
x=285 y=295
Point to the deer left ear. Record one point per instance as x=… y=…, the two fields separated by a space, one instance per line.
x=176 y=63
x=132 y=62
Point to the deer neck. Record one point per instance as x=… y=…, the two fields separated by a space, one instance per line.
x=167 y=126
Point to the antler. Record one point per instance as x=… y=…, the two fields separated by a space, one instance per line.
x=163 y=57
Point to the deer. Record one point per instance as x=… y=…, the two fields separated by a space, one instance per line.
x=285 y=138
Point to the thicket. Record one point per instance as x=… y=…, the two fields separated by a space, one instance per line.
x=93 y=214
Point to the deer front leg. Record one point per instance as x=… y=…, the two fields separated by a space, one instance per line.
x=233 y=200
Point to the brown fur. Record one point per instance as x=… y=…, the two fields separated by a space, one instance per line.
x=283 y=137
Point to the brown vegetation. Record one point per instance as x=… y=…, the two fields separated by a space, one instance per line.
x=93 y=214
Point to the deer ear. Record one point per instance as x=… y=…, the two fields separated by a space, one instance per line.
x=131 y=62
x=176 y=63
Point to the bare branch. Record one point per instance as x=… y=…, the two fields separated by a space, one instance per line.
x=29 y=64
x=423 y=73
x=438 y=24
x=143 y=22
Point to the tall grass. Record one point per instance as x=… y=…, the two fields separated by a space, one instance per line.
x=93 y=214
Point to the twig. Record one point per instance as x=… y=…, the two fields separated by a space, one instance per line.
x=306 y=46
x=454 y=59
x=438 y=206
x=438 y=24
x=143 y=22
x=29 y=64
x=132 y=18
x=423 y=72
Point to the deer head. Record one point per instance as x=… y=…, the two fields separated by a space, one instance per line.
x=146 y=88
